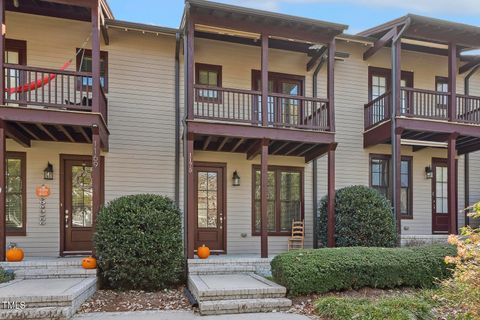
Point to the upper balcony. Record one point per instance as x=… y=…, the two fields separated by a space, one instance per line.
x=249 y=76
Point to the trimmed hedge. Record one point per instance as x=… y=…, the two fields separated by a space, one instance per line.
x=139 y=243
x=336 y=269
x=363 y=217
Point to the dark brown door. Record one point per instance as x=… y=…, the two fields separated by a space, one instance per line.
x=210 y=207
x=439 y=196
x=77 y=213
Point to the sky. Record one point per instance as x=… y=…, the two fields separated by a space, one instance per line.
x=358 y=14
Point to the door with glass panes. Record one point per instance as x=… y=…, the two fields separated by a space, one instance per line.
x=440 y=217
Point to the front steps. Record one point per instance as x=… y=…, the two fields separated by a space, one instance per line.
x=229 y=288
x=46 y=289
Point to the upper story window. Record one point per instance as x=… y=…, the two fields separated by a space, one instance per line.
x=15 y=196
x=84 y=64
x=208 y=75
x=380 y=181
x=441 y=85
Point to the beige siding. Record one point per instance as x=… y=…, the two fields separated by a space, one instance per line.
x=141 y=116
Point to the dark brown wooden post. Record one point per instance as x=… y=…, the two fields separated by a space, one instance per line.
x=264 y=77
x=96 y=177
x=96 y=57
x=3 y=231
x=190 y=66
x=3 y=150
x=452 y=184
x=452 y=81
x=331 y=85
x=264 y=200
x=397 y=180
x=190 y=196
x=331 y=197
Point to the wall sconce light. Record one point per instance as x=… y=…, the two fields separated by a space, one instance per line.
x=48 y=172
x=428 y=172
x=235 y=179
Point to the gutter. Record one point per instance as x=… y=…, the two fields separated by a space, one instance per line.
x=177 y=119
x=467 y=155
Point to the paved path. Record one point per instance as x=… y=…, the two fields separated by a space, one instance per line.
x=184 y=315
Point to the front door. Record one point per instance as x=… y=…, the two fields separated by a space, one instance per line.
x=77 y=206
x=209 y=202
x=440 y=196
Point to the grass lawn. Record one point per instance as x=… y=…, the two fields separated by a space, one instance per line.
x=403 y=306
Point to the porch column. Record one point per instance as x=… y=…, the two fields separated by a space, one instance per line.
x=452 y=81
x=331 y=85
x=452 y=184
x=331 y=197
x=3 y=234
x=397 y=164
x=95 y=15
x=263 y=199
x=190 y=196
x=190 y=65
x=264 y=77
x=96 y=177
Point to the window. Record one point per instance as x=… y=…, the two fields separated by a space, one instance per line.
x=211 y=76
x=84 y=64
x=441 y=85
x=284 y=197
x=380 y=181
x=15 y=183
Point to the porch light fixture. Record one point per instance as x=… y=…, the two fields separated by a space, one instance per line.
x=428 y=172
x=235 y=179
x=48 y=172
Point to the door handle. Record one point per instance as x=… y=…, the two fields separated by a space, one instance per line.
x=66 y=219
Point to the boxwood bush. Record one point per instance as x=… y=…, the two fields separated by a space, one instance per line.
x=138 y=243
x=336 y=269
x=363 y=217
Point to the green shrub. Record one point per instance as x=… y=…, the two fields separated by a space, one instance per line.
x=336 y=269
x=363 y=217
x=401 y=307
x=139 y=243
x=5 y=275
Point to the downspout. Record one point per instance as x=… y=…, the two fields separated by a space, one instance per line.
x=314 y=168
x=393 y=114
x=467 y=155
x=185 y=151
x=177 y=119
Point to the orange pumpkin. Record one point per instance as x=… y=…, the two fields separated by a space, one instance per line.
x=15 y=254
x=42 y=191
x=203 y=252
x=89 y=263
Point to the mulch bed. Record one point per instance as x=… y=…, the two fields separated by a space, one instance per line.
x=117 y=301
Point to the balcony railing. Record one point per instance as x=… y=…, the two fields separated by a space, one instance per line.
x=50 y=88
x=425 y=104
x=244 y=106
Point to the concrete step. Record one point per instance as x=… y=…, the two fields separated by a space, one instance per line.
x=44 y=298
x=45 y=313
x=55 y=273
x=233 y=286
x=223 y=263
x=220 y=269
x=42 y=264
x=244 y=306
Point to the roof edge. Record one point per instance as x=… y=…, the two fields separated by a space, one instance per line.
x=141 y=27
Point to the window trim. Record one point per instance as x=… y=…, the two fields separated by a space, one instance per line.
x=277 y=169
x=408 y=76
x=388 y=157
x=88 y=52
x=19 y=46
x=208 y=67
x=444 y=80
x=22 y=156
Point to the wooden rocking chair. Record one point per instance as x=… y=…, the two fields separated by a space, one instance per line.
x=298 y=235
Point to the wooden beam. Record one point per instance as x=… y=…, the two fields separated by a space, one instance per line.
x=65 y=132
x=452 y=81
x=3 y=150
x=28 y=130
x=96 y=178
x=279 y=147
x=78 y=3
x=190 y=200
x=452 y=184
x=263 y=199
x=95 y=14
x=18 y=136
x=222 y=144
x=377 y=135
x=190 y=64
x=47 y=132
x=84 y=134
x=2 y=50
x=331 y=197
x=397 y=180
x=264 y=79
x=295 y=148
x=104 y=29
x=239 y=142
x=206 y=143
x=317 y=152
x=331 y=85
x=254 y=149
x=380 y=43
x=318 y=54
